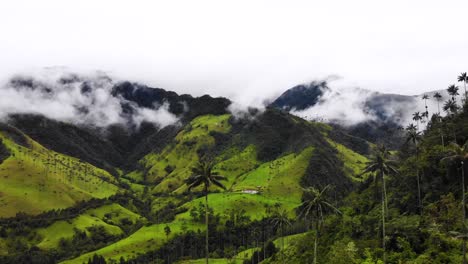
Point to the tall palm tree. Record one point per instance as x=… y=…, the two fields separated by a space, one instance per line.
x=425 y=97
x=411 y=127
x=438 y=98
x=459 y=155
x=316 y=203
x=203 y=175
x=417 y=118
x=463 y=77
x=415 y=137
x=280 y=221
x=381 y=164
x=425 y=115
x=451 y=107
x=453 y=91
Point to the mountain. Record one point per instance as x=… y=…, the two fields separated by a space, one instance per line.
x=380 y=107
x=83 y=134
x=75 y=188
x=301 y=97
x=93 y=173
x=373 y=116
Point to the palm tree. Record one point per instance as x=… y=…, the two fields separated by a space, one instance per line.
x=459 y=154
x=411 y=127
x=463 y=77
x=280 y=221
x=453 y=91
x=256 y=233
x=415 y=136
x=203 y=174
x=316 y=203
x=425 y=97
x=450 y=107
x=417 y=118
x=381 y=164
x=438 y=98
x=426 y=115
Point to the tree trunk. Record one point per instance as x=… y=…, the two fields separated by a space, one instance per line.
x=282 y=245
x=263 y=242
x=419 y=192
x=383 y=219
x=464 y=212
x=207 y=251
x=464 y=86
x=258 y=255
x=418 y=183
x=385 y=193
x=442 y=137
x=316 y=241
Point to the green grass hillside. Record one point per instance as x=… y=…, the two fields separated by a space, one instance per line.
x=108 y=216
x=146 y=239
x=260 y=180
x=172 y=165
x=34 y=179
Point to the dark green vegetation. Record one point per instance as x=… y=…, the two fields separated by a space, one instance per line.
x=292 y=191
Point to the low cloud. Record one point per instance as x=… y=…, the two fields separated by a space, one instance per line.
x=349 y=106
x=84 y=99
x=339 y=105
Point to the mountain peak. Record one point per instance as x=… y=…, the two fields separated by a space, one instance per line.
x=301 y=97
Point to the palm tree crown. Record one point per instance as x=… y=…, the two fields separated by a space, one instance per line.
x=453 y=91
x=281 y=219
x=381 y=162
x=450 y=106
x=463 y=77
x=417 y=117
x=411 y=127
x=315 y=202
x=203 y=174
x=413 y=136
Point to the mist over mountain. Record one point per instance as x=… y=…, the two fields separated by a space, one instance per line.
x=97 y=100
x=323 y=101
x=96 y=118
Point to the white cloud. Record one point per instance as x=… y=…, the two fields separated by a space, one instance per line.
x=231 y=48
x=161 y=116
x=349 y=106
x=344 y=105
x=73 y=102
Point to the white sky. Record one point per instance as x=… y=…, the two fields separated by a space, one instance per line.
x=242 y=49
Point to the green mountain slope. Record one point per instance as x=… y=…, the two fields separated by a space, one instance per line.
x=267 y=161
x=34 y=179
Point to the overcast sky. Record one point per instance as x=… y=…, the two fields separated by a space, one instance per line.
x=249 y=49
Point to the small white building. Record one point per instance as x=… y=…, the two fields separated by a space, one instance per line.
x=250 y=191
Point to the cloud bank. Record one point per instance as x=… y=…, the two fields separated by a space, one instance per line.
x=84 y=99
x=352 y=105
